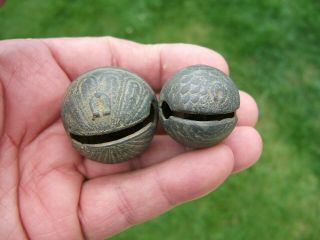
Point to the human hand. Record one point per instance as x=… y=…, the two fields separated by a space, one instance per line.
x=48 y=191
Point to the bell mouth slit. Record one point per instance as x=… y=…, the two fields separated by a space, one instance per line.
x=113 y=136
x=167 y=113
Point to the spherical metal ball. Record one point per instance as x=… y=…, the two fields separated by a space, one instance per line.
x=110 y=114
x=197 y=106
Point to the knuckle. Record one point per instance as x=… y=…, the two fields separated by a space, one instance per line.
x=125 y=207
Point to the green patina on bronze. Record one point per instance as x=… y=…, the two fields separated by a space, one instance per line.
x=110 y=114
x=197 y=106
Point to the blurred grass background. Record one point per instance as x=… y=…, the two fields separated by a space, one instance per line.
x=273 y=49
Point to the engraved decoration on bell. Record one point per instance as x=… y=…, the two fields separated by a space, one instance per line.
x=100 y=105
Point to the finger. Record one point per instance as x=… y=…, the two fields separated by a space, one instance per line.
x=161 y=148
x=155 y=63
x=248 y=111
x=111 y=204
x=1 y=109
x=2 y=2
x=246 y=145
x=247 y=116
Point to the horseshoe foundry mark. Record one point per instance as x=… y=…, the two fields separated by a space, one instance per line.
x=100 y=105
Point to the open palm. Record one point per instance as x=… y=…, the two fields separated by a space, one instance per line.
x=48 y=191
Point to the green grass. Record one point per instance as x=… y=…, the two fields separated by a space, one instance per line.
x=273 y=49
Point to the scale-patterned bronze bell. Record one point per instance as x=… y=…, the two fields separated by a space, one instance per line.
x=198 y=106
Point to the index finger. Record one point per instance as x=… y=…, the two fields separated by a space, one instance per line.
x=155 y=63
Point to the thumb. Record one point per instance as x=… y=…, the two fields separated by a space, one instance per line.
x=113 y=203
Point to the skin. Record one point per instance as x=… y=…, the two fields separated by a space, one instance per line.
x=48 y=191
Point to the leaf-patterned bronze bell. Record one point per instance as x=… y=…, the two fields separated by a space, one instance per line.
x=110 y=114
x=198 y=106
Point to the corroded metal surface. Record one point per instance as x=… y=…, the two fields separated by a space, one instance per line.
x=110 y=114
x=198 y=106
